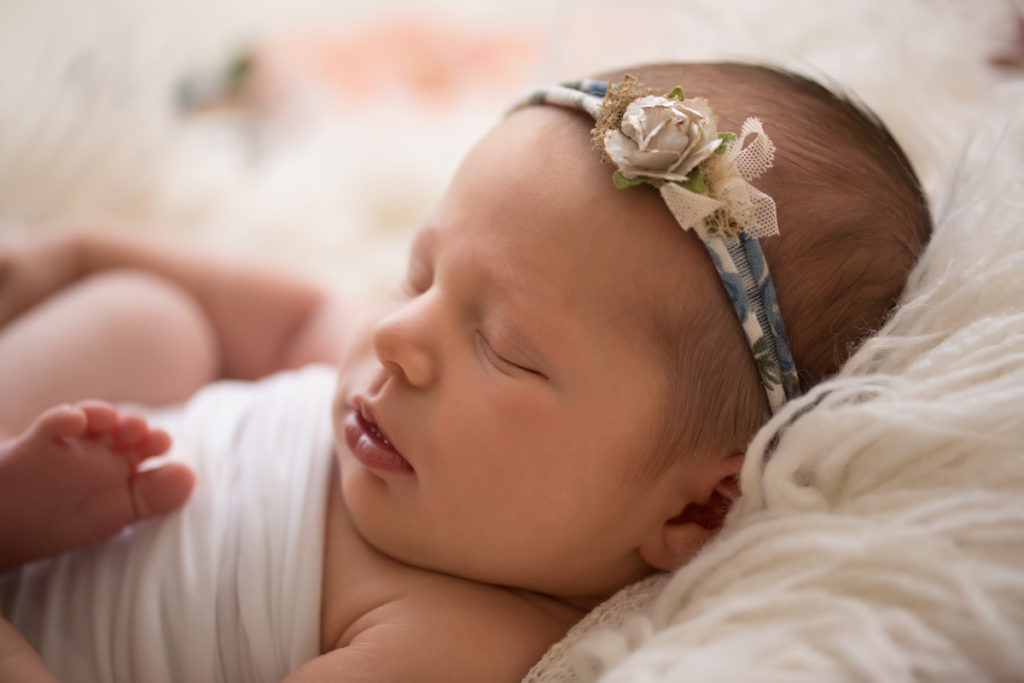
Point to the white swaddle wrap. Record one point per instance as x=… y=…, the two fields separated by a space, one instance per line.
x=228 y=588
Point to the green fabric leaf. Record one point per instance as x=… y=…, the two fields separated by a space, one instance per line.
x=727 y=137
x=622 y=182
x=694 y=181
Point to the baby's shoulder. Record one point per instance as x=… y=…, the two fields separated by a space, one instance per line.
x=422 y=626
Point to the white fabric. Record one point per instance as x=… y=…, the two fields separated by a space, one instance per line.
x=731 y=203
x=884 y=540
x=226 y=590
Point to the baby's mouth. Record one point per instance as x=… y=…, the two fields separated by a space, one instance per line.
x=369 y=443
x=372 y=428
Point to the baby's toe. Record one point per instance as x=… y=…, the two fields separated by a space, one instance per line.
x=161 y=490
x=102 y=417
x=61 y=421
x=156 y=442
x=131 y=429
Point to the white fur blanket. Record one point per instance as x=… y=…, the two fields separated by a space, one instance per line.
x=883 y=539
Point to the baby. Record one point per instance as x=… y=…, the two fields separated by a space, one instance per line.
x=555 y=406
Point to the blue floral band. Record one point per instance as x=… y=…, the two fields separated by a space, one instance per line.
x=672 y=143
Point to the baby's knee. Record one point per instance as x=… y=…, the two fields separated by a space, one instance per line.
x=135 y=295
x=155 y=323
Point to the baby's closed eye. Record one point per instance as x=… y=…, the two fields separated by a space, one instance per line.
x=505 y=363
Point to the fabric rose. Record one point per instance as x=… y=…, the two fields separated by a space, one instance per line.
x=663 y=137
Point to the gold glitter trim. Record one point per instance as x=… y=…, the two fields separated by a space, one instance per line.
x=613 y=106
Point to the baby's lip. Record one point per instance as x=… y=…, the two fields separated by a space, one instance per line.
x=367 y=417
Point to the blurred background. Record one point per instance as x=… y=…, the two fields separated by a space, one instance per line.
x=318 y=134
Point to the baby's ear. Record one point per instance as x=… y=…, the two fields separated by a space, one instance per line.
x=703 y=511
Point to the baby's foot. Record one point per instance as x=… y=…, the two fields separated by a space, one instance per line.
x=72 y=479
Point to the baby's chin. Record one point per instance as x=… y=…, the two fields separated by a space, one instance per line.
x=583 y=591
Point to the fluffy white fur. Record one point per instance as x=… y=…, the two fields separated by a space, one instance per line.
x=881 y=540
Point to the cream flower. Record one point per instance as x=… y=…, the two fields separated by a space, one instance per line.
x=663 y=137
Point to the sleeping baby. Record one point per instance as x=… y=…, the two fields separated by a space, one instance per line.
x=555 y=405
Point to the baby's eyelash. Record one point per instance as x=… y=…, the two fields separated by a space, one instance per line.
x=501 y=361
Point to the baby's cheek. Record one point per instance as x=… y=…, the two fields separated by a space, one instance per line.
x=357 y=344
x=357 y=349
x=516 y=414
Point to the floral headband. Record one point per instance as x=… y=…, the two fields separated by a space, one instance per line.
x=673 y=143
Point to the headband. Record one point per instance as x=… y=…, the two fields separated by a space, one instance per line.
x=672 y=143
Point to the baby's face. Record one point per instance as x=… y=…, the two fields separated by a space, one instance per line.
x=494 y=427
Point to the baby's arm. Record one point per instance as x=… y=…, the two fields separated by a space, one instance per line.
x=264 y=320
x=72 y=479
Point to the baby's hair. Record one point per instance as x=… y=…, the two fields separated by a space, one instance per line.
x=853 y=220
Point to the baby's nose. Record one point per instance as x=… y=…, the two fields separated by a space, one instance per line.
x=404 y=346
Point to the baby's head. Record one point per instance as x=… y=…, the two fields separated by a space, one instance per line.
x=561 y=399
x=852 y=219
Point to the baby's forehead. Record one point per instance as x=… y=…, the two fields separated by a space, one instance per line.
x=535 y=204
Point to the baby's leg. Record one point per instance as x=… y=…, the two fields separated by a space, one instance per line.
x=72 y=479
x=118 y=336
